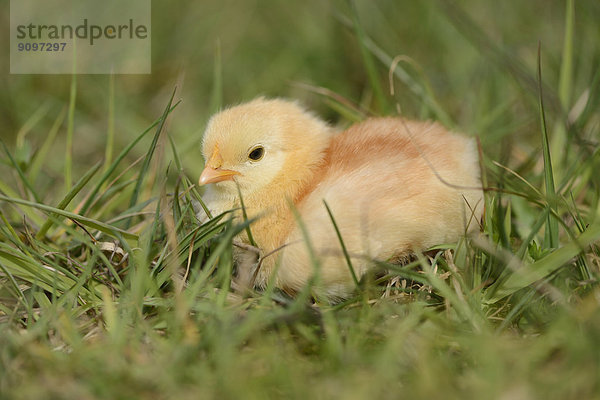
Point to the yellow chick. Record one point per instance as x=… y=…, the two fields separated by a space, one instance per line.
x=395 y=187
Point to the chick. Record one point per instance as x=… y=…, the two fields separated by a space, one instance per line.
x=394 y=187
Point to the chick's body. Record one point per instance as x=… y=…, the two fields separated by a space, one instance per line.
x=394 y=187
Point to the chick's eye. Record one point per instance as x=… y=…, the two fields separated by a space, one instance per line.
x=256 y=153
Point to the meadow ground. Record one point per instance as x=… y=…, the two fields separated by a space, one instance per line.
x=111 y=289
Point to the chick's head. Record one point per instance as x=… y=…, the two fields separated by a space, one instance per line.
x=261 y=145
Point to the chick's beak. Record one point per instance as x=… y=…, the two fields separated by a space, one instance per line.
x=213 y=172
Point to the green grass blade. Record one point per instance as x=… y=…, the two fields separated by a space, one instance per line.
x=110 y=131
x=565 y=82
x=176 y=157
x=70 y=125
x=175 y=206
x=419 y=89
x=534 y=230
x=454 y=296
x=529 y=274
x=223 y=245
x=24 y=179
x=101 y=226
x=40 y=156
x=560 y=145
x=31 y=214
x=30 y=270
x=344 y=250
x=369 y=62
x=12 y=235
x=551 y=233
x=15 y=286
x=115 y=163
x=22 y=147
x=149 y=154
x=340 y=104
x=189 y=187
x=245 y=216
x=67 y=199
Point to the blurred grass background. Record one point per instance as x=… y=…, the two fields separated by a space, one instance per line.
x=266 y=47
x=471 y=64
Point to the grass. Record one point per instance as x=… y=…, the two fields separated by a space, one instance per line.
x=111 y=288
